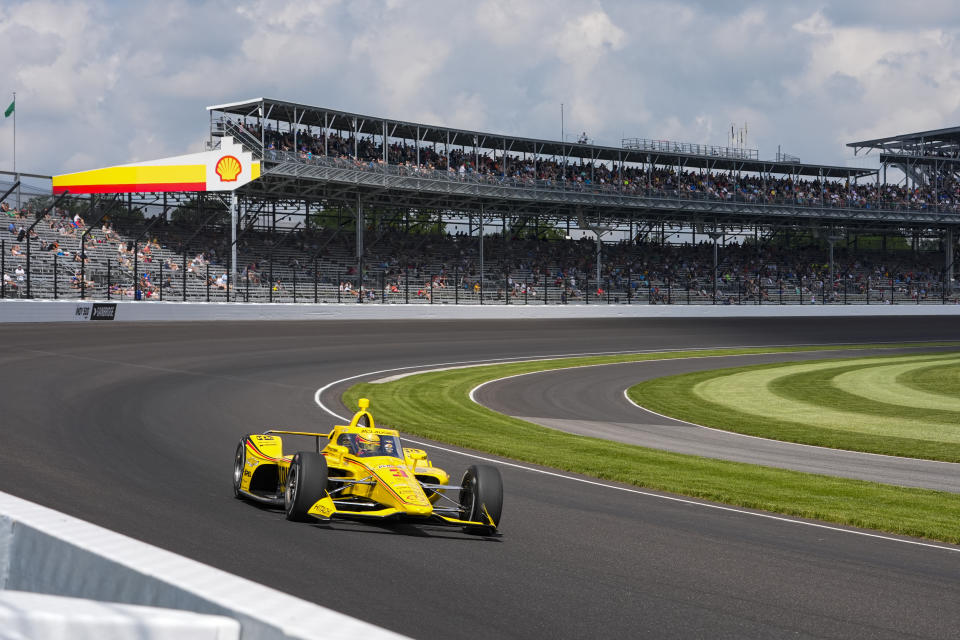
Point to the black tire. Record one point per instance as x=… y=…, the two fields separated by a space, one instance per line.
x=306 y=483
x=481 y=493
x=239 y=464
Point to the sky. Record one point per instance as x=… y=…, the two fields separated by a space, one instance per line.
x=109 y=82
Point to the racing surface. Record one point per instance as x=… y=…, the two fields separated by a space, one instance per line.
x=133 y=427
x=591 y=401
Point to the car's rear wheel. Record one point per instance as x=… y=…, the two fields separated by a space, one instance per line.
x=306 y=483
x=481 y=495
x=239 y=463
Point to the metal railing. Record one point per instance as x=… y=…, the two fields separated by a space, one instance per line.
x=225 y=127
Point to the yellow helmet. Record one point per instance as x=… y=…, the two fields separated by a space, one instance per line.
x=368 y=444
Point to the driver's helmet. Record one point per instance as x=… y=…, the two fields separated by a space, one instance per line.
x=368 y=444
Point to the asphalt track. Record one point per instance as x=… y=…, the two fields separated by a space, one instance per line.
x=591 y=401
x=133 y=427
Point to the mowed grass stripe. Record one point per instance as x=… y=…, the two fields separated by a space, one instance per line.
x=675 y=396
x=882 y=385
x=941 y=379
x=437 y=406
x=881 y=415
x=803 y=393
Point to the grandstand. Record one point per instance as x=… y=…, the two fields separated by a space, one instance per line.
x=328 y=205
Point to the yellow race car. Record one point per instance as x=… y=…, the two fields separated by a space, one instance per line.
x=361 y=472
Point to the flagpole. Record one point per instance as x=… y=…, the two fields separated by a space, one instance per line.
x=16 y=177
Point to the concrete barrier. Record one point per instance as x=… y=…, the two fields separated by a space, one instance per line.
x=47 y=552
x=72 y=311
x=26 y=616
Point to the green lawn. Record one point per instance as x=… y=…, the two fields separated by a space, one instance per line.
x=436 y=405
x=828 y=403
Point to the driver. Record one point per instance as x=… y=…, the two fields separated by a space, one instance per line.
x=368 y=444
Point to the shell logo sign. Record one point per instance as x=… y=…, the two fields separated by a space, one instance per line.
x=225 y=169
x=228 y=168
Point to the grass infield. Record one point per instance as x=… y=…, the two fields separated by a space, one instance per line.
x=437 y=406
x=891 y=405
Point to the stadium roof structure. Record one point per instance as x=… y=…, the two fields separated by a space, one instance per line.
x=935 y=141
x=258 y=178
x=350 y=180
x=312 y=116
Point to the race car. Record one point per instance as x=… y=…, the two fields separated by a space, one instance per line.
x=363 y=473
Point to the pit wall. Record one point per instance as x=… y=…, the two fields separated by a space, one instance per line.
x=103 y=311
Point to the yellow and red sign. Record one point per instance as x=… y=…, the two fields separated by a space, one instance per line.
x=224 y=169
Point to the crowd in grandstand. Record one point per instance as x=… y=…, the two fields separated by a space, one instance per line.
x=366 y=153
x=424 y=265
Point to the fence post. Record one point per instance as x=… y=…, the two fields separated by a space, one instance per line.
x=406 y=284
x=456 y=284
x=184 y=273
x=55 y=278
x=136 y=273
x=383 y=287
x=339 y=286
x=83 y=270
x=586 y=288
x=109 y=276
x=246 y=295
x=161 y=282
x=868 y=290
x=208 y=282
x=669 y=291
x=3 y=268
x=526 y=290
x=316 y=278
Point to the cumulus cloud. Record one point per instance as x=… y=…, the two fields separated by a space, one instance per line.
x=102 y=82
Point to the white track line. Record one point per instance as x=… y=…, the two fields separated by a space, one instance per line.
x=595 y=483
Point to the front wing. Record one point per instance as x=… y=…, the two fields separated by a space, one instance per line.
x=326 y=508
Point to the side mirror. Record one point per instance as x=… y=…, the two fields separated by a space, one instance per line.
x=415 y=456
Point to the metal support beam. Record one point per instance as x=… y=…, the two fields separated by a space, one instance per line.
x=949 y=261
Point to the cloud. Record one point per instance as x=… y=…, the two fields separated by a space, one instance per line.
x=105 y=82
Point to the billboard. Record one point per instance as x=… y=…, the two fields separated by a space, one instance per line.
x=224 y=169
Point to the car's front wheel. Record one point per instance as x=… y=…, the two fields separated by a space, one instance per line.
x=306 y=483
x=481 y=498
x=239 y=463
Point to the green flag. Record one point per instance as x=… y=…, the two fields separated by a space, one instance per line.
x=6 y=114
